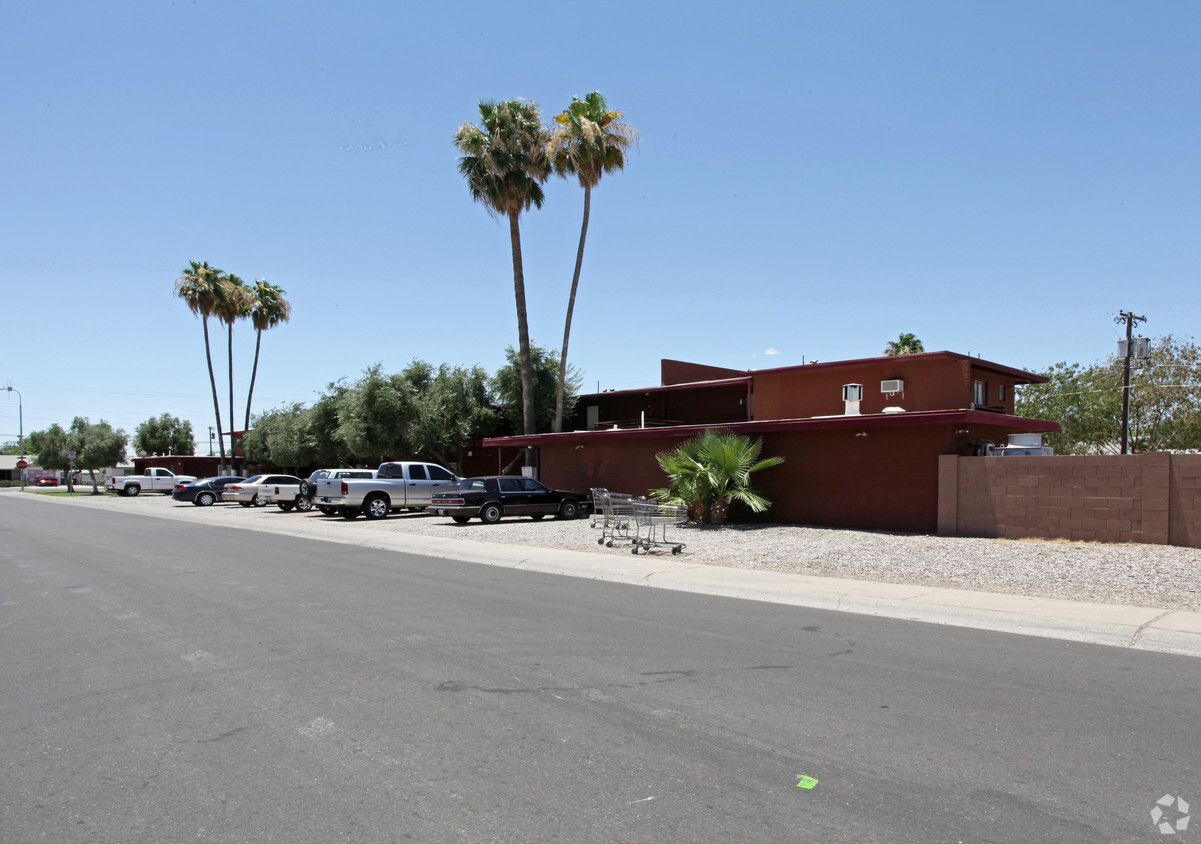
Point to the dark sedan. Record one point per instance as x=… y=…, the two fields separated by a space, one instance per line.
x=493 y=497
x=204 y=492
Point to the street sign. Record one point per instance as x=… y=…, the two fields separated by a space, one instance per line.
x=21 y=464
x=70 y=455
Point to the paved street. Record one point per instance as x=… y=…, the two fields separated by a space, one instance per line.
x=166 y=681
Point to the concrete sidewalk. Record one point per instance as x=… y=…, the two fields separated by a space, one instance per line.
x=1143 y=628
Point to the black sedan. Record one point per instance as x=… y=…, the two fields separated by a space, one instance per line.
x=204 y=492
x=496 y=496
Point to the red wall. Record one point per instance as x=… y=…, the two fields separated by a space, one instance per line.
x=1153 y=498
x=931 y=383
x=887 y=480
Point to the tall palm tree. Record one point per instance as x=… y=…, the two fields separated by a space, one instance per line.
x=268 y=308
x=232 y=304
x=906 y=344
x=199 y=287
x=590 y=141
x=505 y=163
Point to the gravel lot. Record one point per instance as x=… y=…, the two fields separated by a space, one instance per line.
x=1139 y=575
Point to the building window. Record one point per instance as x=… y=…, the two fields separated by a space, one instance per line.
x=1001 y=393
x=979 y=393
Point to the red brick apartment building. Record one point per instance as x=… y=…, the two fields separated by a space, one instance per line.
x=861 y=439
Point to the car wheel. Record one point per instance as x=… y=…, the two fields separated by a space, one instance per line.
x=304 y=489
x=327 y=510
x=349 y=512
x=132 y=490
x=205 y=499
x=491 y=513
x=303 y=505
x=254 y=502
x=569 y=510
x=461 y=520
x=285 y=505
x=375 y=507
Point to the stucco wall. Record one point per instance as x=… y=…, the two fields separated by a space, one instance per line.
x=1153 y=498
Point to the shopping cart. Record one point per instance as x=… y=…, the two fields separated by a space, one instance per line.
x=650 y=525
x=614 y=512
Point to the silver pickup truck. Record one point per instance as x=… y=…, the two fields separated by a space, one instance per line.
x=405 y=485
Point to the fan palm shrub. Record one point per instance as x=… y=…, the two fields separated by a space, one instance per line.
x=712 y=470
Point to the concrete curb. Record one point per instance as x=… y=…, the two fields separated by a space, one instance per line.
x=1140 y=628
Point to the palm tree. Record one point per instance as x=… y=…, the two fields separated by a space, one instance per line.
x=906 y=344
x=268 y=308
x=589 y=142
x=232 y=304
x=712 y=470
x=199 y=287
x=505 y=163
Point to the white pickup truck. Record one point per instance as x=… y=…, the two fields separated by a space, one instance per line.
x=152 y=480
x=396 y=486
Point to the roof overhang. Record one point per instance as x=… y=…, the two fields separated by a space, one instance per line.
x=1014 y=424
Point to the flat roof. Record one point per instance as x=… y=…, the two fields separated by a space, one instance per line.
x=818 y=423
x=991 y=366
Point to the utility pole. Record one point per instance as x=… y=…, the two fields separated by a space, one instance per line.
x=1130 y=319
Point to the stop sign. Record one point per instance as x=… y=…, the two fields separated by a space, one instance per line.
x=21 y=464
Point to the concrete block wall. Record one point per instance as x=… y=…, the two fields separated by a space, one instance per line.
x=1152 y=498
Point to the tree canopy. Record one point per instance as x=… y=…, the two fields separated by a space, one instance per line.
x=164 y=435
x=1086 y=401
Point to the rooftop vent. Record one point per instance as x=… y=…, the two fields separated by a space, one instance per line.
x=852 y=394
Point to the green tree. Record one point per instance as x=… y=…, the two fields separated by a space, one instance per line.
x=1086 y=401
x=164 y=435
x=267 y=309
x=200 y=288
x=505 y=162
x=453 y=407
x=906 y=344
x=374 y=417
x=50 y=446
x=325 y=422
x=589 y=142
x=507 y=387
x=715 y=469
x=96 y=446
x=282 y=438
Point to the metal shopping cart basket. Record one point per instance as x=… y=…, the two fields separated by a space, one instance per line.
x=651 y=520
x=614 y=511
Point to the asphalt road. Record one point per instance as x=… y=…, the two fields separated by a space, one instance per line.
x=170 y=682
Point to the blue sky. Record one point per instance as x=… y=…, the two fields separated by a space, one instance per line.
x=812 y=179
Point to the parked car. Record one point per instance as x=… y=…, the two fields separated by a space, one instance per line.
x=322 y=474
x=496 y=496
x=154 y=479
x=205 y=492
x=246 y=492
x=46 y=480
x=397 y=485
x=286 y=496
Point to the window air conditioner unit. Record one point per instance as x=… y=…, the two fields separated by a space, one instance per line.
x=890 y=387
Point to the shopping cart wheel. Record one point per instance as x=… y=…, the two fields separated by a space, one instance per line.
x=634 y=550
x=600 y=541
x=676 y=550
